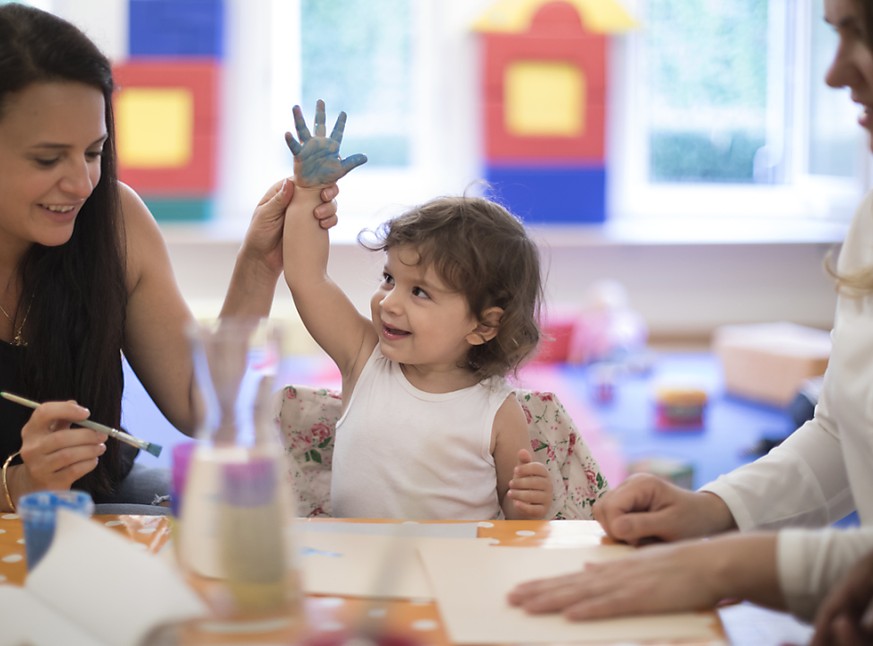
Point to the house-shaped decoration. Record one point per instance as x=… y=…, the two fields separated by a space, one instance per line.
x=167 y=104
x=544 y=105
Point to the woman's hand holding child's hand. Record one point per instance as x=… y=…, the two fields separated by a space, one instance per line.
x=316 y=158
x=530 y=488
x=263 y=239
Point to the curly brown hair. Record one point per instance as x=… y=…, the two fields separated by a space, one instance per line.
x=482 y=251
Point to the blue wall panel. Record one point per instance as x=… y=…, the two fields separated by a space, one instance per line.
x=550 y=194
x=176 y=28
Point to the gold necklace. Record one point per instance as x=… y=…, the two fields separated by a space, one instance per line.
x=17 y=338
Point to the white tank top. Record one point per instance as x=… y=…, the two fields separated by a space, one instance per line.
x=401 y=452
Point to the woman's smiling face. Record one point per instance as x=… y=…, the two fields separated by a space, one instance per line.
x=51 y=143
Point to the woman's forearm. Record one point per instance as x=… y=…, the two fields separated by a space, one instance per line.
x=251 y=290
x=748 y=565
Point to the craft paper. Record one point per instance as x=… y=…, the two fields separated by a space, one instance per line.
x=26 y=620
x=474 y=609
x=410 y=529
x=106 y=585
x=377 y=560
x=746 y=623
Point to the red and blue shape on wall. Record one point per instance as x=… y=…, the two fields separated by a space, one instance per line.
x=167 y=105
x=544 y=88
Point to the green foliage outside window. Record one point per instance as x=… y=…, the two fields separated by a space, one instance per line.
x=707 y=79
x=357 y=56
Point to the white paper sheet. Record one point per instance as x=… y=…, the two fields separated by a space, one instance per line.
x=108 y=586
x=472 y=579
x=378 y=560
x=410 y=529
x=27 y=622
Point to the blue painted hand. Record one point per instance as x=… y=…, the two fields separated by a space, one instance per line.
x=316 y=158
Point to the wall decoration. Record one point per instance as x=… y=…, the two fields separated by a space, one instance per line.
x=167 y=105
x=544 y=89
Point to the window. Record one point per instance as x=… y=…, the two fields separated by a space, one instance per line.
x=722 y=111
x=356 y=60
x=706 y=121
x=401 y=70
x=717 y=109
x=836 y=145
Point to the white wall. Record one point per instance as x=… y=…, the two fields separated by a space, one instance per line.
x=682 y=290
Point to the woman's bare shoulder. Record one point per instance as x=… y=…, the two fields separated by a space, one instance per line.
x=144 y=243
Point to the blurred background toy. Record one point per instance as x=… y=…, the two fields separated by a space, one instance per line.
x=679 y=407
x=602 y=326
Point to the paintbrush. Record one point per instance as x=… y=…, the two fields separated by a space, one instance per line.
x=149 y=447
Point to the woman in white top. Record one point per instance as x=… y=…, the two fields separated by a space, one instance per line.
x=821 y=473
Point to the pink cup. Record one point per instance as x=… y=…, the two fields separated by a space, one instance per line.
x=181 y=460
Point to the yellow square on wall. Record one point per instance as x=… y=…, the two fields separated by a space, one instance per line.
x=544 y=99
x=155 y=127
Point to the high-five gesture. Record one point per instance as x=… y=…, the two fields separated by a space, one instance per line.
x=316 y=158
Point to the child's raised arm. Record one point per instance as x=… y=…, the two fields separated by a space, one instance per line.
x=328 y=314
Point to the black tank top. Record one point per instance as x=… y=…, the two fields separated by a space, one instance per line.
x=12 y=416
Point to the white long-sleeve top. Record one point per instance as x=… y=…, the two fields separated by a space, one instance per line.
x=824 y=470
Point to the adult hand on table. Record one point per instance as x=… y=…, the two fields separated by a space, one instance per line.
x=645 y=508
x=684 y=576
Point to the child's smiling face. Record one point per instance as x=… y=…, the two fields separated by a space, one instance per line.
x=420 y=320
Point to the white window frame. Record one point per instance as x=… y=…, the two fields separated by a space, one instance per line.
x=260 y=87
x=445 y=153
x=636 y=201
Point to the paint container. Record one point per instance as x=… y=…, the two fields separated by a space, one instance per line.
x=38 y=513
x=235 y=542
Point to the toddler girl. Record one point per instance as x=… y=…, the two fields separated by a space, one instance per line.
x=430 y=427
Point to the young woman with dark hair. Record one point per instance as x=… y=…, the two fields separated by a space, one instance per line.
x=84 y=272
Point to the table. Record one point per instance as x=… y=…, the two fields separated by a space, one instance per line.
x=329 y=616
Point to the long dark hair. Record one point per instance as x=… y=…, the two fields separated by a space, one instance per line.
x=75 y=294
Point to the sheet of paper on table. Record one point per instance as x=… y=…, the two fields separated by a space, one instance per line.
x=474 y=609
x=411 y=529
x=98 y=586
x=370 y=559
x=26 y=620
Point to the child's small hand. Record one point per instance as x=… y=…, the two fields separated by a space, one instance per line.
x=316 y=158
x=530 y=488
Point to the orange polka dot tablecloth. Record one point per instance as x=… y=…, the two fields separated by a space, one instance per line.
x=328 y=618
x=152 y=532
